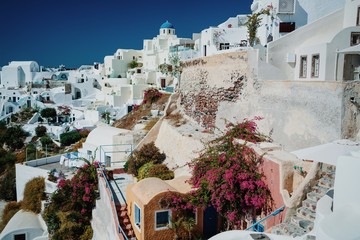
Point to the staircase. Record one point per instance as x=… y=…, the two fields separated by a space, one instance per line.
x=302 y=221
x=125 y=221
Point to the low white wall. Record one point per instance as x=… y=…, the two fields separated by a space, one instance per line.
x=104 y=223
x=179 y=145
x=44 y=161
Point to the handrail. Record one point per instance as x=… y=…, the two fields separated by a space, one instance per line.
x=274 y=213
x=120 y=230
x=122 y=195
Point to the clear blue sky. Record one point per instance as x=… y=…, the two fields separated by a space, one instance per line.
x=76 y=32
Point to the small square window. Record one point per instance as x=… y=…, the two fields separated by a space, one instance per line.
x=89 y=153
x=162 y=219
x=355 y=38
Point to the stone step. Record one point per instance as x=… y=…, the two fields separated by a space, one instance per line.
x=320 y=190
x=306 y=213
x=123 y=214
x=128 y=227
x=130 y=233
x=326 y=182
x=289 y=229
x=126 y=220
x=309 y=203
x=303 y=223
x=314 y=196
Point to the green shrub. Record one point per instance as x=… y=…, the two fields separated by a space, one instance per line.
x=160 y=171
x=9 y=211
x=144 y=170
x=147 y=153
x=69 y=138
x=88 y=234
x=34 y=193
x=45 y=141
x=8 y=185
x=40 y=131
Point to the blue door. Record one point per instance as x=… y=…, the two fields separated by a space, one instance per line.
x=210 y=222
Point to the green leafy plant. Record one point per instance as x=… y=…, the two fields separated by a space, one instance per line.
x=253 y=23
x=133 y=64
x=69 y=138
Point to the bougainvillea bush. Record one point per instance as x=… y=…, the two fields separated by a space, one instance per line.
x=69 y=213
x=226 y=176
x=151 y=95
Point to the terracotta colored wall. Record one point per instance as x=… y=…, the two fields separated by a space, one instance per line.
x=272 y=173
x=147 y=231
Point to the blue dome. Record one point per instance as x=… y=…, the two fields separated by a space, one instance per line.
x=166 y=25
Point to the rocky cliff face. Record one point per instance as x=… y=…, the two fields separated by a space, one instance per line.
x=208 y=82
x=298 y=114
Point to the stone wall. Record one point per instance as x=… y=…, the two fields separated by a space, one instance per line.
x=209 y=81
x=298 y=114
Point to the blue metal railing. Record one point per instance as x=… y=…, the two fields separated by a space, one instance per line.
x=108 y=185
x=256 y=225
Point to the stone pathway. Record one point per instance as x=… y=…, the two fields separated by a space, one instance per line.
x=302 y=221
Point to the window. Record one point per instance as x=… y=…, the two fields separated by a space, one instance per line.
x=355 y=38
x=303 y=66
x=162 y=219
x=358 y=17
x=20 y=236
x=286 y=27
x=89 y=153
x=315 y=62
x=169 y=31
x=137 y=216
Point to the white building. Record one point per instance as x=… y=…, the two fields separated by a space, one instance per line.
x=108 y=145
x=116 y=66
x=324 y=49
x=156 y=52
x=25 y=225
x=231 y=34
x=284 y=17
x=18 y=73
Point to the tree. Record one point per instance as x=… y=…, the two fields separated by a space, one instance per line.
x=40 y=131
x=14 y=137
x=69 y=138
x=253 y=23
x=226 y=176
x=48 y=113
